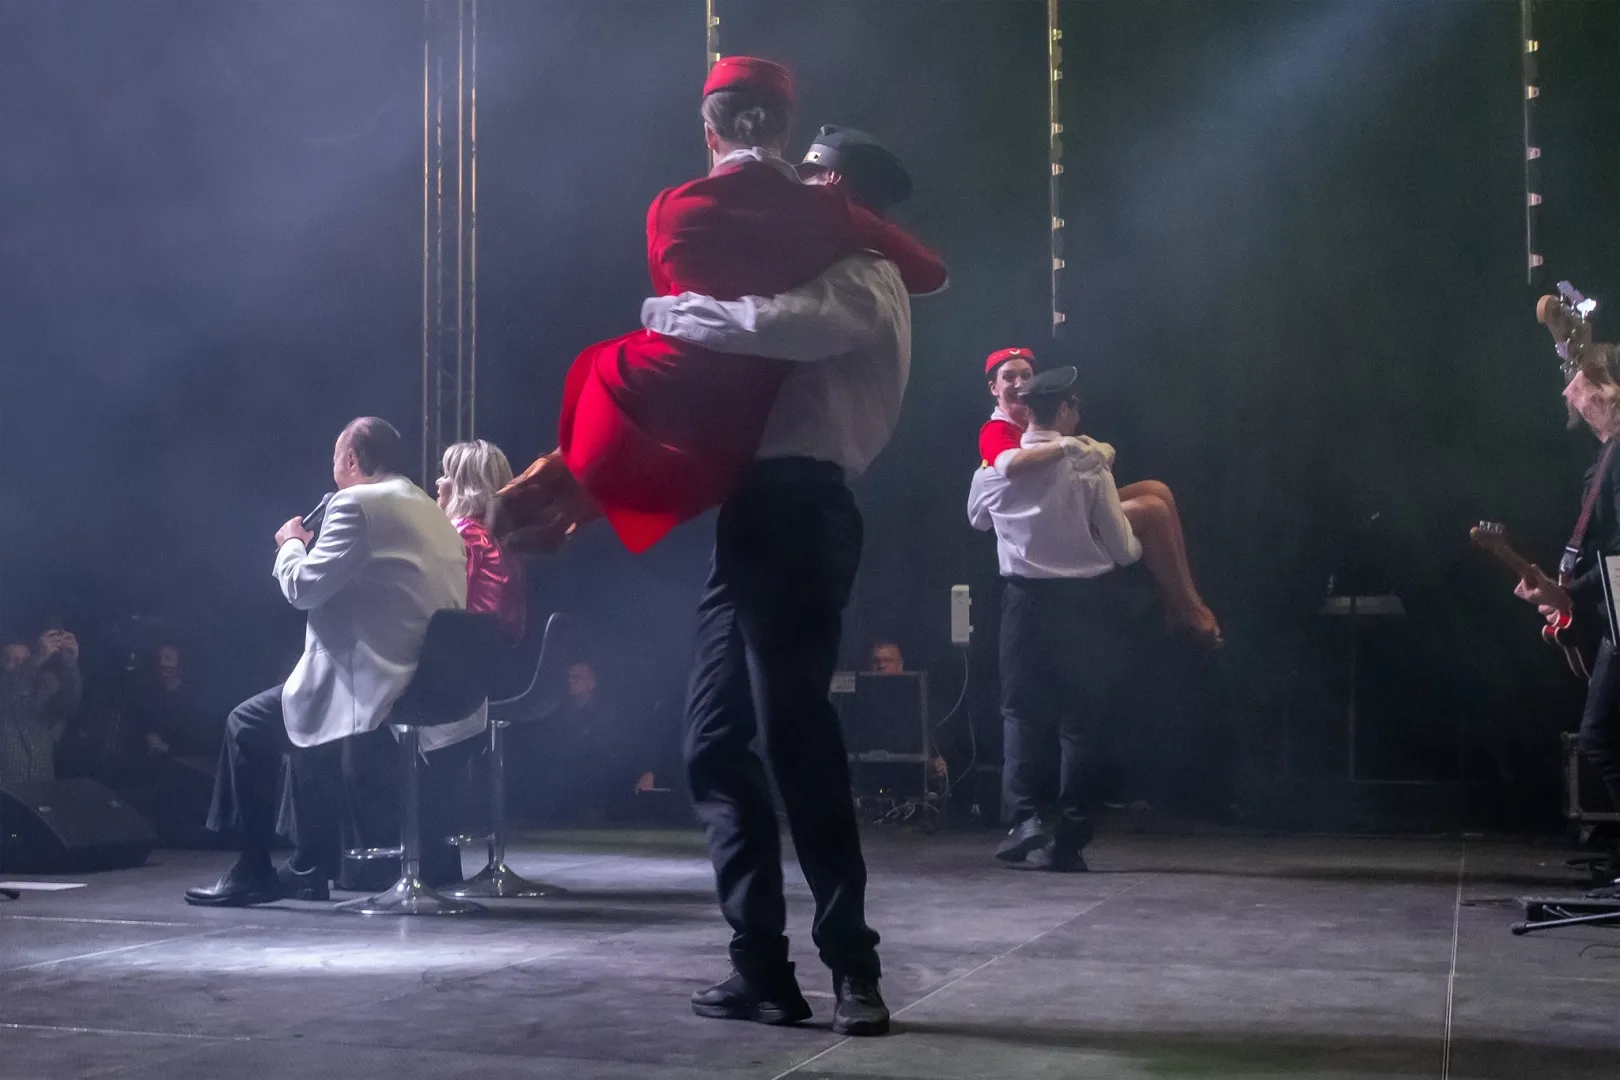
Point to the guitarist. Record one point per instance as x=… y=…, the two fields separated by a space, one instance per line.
x=1593 y=396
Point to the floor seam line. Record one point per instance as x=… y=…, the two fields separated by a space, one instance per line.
x=73 y=1029
x=119 y=949
x=942 y=987
x=1451 y=977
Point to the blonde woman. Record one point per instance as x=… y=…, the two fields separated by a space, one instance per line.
x=473 y=473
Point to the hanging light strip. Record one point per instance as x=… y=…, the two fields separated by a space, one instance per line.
x=1532 y=152
x=1054 y=85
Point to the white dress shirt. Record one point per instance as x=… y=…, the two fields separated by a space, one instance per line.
x=851 y=328
x=1059 y=519
x=386 y=559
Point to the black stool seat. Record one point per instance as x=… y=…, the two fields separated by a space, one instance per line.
x=451 y=682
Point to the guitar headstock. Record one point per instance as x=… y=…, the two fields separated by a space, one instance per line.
x=1492 y=538
x=1568 y=317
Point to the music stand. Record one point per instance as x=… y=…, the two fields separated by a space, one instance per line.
x=1356 y=608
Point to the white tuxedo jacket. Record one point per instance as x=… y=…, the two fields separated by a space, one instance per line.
x=386 y=559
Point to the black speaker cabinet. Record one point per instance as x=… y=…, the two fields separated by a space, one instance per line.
x=64 y=826
x=1585 y=798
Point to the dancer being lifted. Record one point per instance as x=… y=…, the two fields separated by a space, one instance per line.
x=656 y=430
x=1149 y=505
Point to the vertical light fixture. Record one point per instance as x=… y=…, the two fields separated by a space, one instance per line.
x=1532 y=152
x=1054 y=84
x=449 y=227
x=711 y=47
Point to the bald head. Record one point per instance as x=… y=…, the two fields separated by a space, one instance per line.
x=369 y=449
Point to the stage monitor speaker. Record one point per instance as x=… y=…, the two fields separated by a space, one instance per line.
x=66 y=826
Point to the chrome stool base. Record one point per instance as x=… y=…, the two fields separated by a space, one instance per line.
x=497 y=881
x=409 y=896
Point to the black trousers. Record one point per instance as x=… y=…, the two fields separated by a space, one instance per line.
x=326 y=795
x=249 y=769
x=1600 y=720
x=787 y=544
x=1059 y=654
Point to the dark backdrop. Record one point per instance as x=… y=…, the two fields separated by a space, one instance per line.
x=1295 y=292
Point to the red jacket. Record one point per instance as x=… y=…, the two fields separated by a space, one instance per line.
x=658 y=430
x=996 y=437
x=494 y=580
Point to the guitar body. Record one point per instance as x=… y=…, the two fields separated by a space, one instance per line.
x=1562 y=632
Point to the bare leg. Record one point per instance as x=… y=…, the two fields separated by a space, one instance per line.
x=1173 y=533
x=1151 y=509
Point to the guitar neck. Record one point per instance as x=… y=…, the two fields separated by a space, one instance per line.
x=1501 y=552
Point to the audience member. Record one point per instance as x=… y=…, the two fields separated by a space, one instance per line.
x=887 y=659
x=14 y=654
x=163 y=717
x=590 y=771
x=39 y=690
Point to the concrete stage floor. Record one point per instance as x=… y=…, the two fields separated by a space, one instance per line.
x=1180 y=956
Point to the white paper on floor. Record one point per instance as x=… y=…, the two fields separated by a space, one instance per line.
x=42 y=886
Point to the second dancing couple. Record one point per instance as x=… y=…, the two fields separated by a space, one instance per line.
x=1062 y=528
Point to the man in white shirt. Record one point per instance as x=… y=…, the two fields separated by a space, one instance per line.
x=386 y=560
x=1060 y=532
x=787 y=545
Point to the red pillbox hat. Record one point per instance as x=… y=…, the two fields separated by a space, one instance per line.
x=1001 y=356
x=751 y=75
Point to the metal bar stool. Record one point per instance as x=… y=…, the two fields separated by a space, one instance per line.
x=498 y=880
x=451 y=682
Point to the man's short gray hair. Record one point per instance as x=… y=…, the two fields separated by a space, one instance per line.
x=476 y=471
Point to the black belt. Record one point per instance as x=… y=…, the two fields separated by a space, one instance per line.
x=798 y=470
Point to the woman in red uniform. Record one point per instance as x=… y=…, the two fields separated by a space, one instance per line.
x=1149 y=505
x=654 y=430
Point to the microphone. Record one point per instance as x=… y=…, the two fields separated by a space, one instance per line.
x=312 y=520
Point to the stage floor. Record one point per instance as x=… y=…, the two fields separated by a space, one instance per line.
x=1179 y=956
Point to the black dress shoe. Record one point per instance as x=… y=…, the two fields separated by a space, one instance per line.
x=302 y=884
x=860 y=1009
x=245 y=884
x=1053 y=859
x=1060 y=860
x=777 y=1001
x=1022 y=839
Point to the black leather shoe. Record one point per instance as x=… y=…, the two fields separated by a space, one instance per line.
x=1064 y=860
x=245 y=884
x=1053 y=859
x=302 y=884
x=739 y=998
x=1022 y=839
x=860 y=1009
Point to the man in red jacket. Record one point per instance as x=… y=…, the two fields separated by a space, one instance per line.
x=653 y=430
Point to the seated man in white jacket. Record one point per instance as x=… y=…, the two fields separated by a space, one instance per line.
x=386 y=560
x=1060 y=534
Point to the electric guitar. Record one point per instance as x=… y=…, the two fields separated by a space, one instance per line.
x=1560 y=630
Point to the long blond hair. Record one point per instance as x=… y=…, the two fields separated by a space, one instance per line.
x=476 y=471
